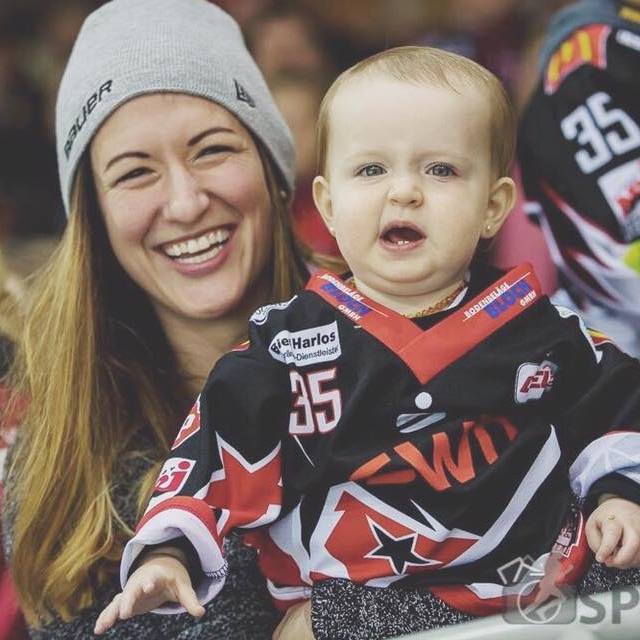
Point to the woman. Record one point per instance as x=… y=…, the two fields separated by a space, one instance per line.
x=175 y=169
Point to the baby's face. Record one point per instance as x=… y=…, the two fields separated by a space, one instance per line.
x=407 y=183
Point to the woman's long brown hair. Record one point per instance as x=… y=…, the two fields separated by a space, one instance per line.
x=100 y=378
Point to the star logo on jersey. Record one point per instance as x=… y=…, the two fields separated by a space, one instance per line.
x=399 y=551
x=248 y=493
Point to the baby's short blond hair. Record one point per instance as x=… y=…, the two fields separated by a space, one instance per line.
x=426 y=65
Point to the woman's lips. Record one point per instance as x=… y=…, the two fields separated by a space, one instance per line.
x=202 y=254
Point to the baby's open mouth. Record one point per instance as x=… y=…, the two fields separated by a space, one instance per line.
x=198 y=249
x=401 y=235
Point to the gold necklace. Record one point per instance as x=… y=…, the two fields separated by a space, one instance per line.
x=434 y=308
x=438 y=306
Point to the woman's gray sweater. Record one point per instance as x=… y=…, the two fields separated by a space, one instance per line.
x=241 y=611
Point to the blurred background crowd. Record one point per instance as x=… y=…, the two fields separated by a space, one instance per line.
x=300 y=46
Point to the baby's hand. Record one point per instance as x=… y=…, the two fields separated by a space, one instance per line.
x=613 y=532
x=161 y=578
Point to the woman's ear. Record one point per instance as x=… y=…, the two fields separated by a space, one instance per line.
x=322 y=200
x=502 y=198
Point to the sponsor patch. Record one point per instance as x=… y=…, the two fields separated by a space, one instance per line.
x=261 y=314
x=309 y=346
x=502 y=298
x=173 y=476
x=348 y=300
x=533 y=380
x=190 y=425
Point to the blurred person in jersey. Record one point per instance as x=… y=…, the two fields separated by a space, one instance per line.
x=579 y=152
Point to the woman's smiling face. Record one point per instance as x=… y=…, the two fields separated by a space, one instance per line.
x=185 y=202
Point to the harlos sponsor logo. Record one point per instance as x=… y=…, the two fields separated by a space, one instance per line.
x=309 y=346
x=532 y=380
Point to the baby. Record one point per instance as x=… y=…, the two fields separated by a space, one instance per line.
x=426 y=421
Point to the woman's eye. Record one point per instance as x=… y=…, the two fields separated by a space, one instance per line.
x=371 y=170
x=131 y=175
x=213 y=150
x=441 y=171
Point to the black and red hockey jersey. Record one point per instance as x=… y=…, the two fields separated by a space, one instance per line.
x=351 y=442
x=579 y=151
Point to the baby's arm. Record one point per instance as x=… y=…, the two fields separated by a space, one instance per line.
x=161 y=577
x=613 y=532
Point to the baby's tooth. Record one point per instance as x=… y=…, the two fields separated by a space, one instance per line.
x=192 y=246
x=203 y=243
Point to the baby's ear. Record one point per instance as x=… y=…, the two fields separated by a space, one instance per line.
x=502 y=198
x=322 y=199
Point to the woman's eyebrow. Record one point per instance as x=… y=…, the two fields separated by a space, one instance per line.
x=142 y=155
x=126 y=154
x=208 y=132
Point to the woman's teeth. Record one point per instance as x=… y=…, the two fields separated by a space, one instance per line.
x=199 y=249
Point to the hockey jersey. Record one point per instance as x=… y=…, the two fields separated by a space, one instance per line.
x=579 y=152
x=350 y=442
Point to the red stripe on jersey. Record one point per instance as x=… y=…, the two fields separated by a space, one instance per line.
x=185 y=503
x=274 y=563
x=427 y=353
x=403 y=476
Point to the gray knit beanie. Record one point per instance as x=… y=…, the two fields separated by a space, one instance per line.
x=127 y=48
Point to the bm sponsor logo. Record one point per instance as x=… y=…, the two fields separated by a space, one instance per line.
x=533 y=380
x=309 y=346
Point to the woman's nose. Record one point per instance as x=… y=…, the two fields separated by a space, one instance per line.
x=186 y=199
x=405 y=192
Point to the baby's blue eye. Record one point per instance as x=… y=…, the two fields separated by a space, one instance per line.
x=441 y=170
x=371 y=170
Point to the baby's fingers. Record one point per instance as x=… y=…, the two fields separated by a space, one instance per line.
x=593 y=533
x=611 y=533
x=134 y=597
x=109 y=616
x=625 y=556
x=187 y=598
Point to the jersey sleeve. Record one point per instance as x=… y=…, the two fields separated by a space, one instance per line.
x=600 y=425
x=224 y=470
